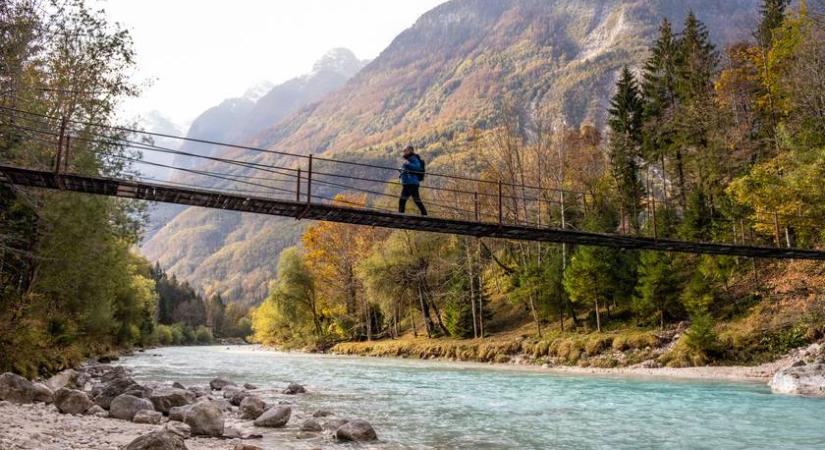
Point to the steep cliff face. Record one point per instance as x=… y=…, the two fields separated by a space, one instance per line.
x=452 y=70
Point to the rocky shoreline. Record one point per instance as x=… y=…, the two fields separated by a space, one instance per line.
x=100 y=406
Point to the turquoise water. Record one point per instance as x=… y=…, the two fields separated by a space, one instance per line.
x=432 y=405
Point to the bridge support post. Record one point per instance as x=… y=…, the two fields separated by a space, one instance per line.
x=500 y=204
x=476 y=206
x=309 y=182
x=298 y=187
x=776 y=229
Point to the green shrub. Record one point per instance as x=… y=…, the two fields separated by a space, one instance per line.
x=203 y=335
x=164 y=335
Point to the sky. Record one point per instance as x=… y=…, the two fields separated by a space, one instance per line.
x=192 y=54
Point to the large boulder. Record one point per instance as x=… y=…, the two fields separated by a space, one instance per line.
x=178 y=413
x=71 y=401
x=42 y=393
x=165 y=399
x=294 y=388
x=205 y=419
x=252 y=408
x=311 y=425
x=274 y=417
x=104 y=394
x=356 y=430
x=126 y=406
x=66 y=378
x=147 y=416
x=219 y=383
x=801 y=379
x=15 y=388
x=157 y=440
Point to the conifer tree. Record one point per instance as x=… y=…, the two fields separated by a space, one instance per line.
x=698 y=60
x=773 y=13
x=625 y=120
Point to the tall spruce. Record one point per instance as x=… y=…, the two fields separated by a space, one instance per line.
x=625 y=120
x=698 y=60
x=773 y=14
x=660 y=93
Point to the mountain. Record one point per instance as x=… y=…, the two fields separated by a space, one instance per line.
x=234 y=120
x=156 y=122
x=452 y=71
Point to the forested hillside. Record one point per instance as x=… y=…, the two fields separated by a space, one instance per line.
x=71 y=285
x=448 y=76
x=704 y=141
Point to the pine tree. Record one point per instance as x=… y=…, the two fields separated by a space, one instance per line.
x=658 y=289
x=659 y=74
x=773 y=14
x=660 y=95
x=625 y=120
x=698 y=60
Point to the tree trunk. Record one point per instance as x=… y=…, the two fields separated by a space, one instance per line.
x=598 y=318
x=472 y=290
x=425 y=313
x=535 y=315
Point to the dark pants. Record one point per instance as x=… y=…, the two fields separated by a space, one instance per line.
x=407 y=191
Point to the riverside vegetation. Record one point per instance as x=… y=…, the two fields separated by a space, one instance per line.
x=711 y=138
x=70 y=284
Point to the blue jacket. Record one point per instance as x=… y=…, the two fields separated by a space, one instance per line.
x=409 y=169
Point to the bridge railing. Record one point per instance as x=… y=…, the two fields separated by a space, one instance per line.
x=248 y=170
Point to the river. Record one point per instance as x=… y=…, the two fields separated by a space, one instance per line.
x=438 y=405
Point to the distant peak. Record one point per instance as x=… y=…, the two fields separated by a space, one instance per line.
x=259 y=90
x=340 y=60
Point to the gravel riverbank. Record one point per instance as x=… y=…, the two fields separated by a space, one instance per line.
x=37 y=426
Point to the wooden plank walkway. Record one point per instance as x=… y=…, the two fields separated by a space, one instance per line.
x=157 y=192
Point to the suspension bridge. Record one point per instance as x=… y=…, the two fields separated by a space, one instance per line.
x=469 y=206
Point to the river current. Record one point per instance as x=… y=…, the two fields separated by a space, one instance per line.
x=437 y=405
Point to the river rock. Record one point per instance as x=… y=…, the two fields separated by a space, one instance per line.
x=294 y=388
x=252 y=407
x=311 y=425
x=126 y=406
x=242 y=446
x=234 y=432
x=250 y=387
x=219 y=383
x=805 y=379
x=222 y=404
x=66 y=378
x=205 y=419
x=322 y=413
x=42 y=393
x=104 y=394
x=71 y=401
x=334 y=424
x=238 y=397
x=113 y=373
x=177 y=385
x=181 y=429
x=356 y=430
x=178 y=412
x=274 y=417
x=229 y=391
x=15 y=388
x=147 y=416
x=97 y=411
x=157 y=440
x=165 y=399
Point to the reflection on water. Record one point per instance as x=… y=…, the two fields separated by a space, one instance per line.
x=419 y=404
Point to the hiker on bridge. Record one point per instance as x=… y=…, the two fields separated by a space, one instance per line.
x=412 y=174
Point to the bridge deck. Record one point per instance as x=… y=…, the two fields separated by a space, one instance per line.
x=335 y=213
